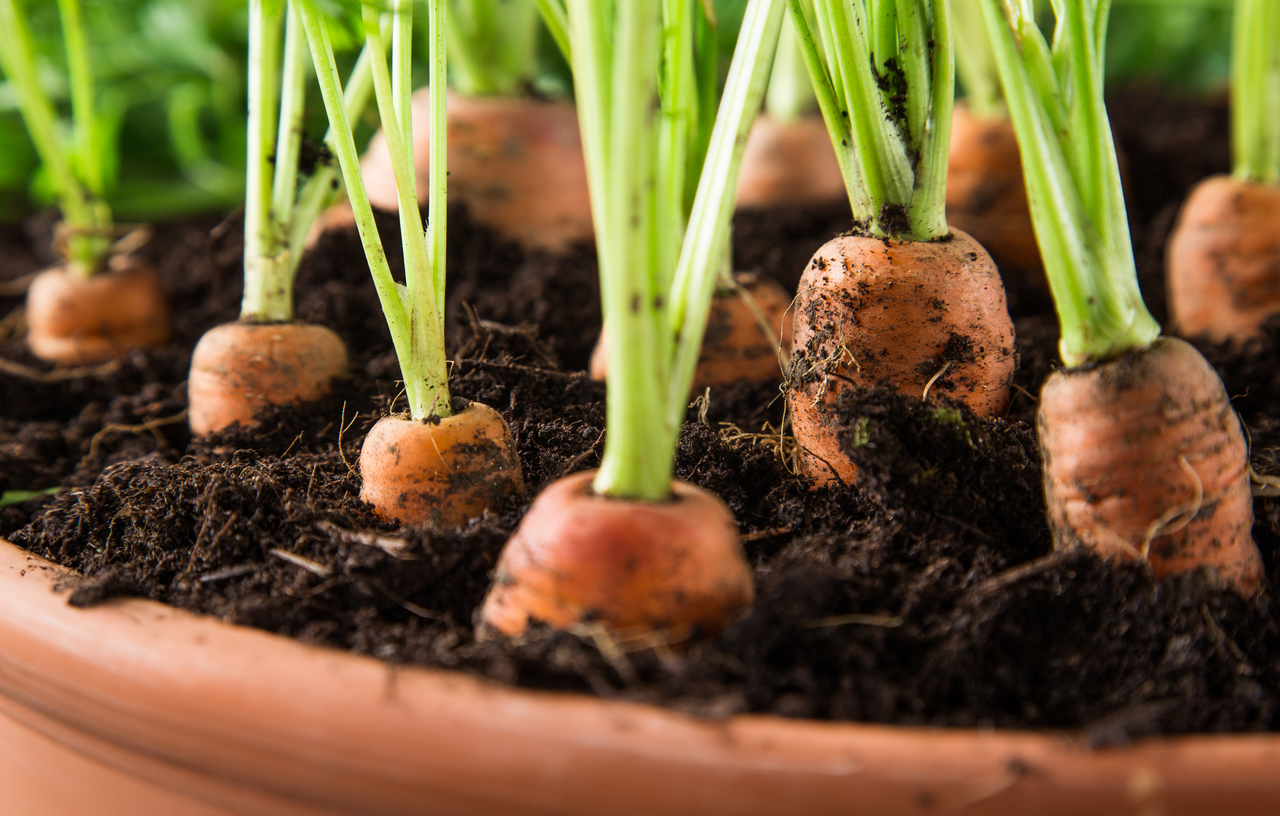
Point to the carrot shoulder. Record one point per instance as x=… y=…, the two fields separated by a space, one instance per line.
x=1223 y=260
x=238 y=369
x=1144 y=458
x=77 y=320
x=913 y=315
x=578 y=557
x=441 y=471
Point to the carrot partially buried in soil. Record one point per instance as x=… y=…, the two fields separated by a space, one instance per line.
x=238 y=369
x=905 y=301
x=577 y=557
x=744 y=341
x=442 y=471
x=1143 y=457
x=80 y=320
x=1223 y=258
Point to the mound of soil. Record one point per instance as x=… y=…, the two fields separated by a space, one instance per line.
x=927 y=594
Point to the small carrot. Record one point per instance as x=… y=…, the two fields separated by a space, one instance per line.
x=736 y=346
x=1143 y=456
x=580 y=557
x=80 y=320
x=986 y=196
x=442 y=471
x=238 y=369
x=905 y=300
x=1223 y=258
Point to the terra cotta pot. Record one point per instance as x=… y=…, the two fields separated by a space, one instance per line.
x=135 y=707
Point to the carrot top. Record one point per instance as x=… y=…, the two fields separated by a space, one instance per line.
x=1255 y=91
x=278 y=213
x=644 y=79
x=492 y=45
x=890 y=125
x=975 y=63
x=1073 y=180
x=80 y=176
x=414 y=309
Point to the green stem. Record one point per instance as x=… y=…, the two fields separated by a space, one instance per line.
x=790 y=94
x=1083 y=233
x=261 y=239
x=88 y=220
x=975 y=63
x=1255 y=92
x=491 y=45
x=556 y=20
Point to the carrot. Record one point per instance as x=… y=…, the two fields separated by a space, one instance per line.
x=1223 y=258
x=79 y=320
x=579 y=557
x=789 y=163
x=515 y=163
x=1144 y=459
x=238 y=369
x=1143 y=456
x=986 y=196
x=442 y=471
x=922 y=317
x=736 y=347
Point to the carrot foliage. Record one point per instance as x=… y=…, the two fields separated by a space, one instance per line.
x=661 y=179
x=1055 y=100
x=884 y=75
x=1255 y=91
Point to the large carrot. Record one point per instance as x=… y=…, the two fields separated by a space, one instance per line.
x=906 y=300
x=1143 y=457
x=1223 y=259
x=627 y=547
x=92 y=308
x=266 y=357
x=439 y=464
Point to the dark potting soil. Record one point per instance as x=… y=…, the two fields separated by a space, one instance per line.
x=926 y=594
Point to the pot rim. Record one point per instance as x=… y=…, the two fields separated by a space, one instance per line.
x=151 y=689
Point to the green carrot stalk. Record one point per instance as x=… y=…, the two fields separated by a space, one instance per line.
x=639 y=78
x=1255 y=91
x=890 y=126
x=1054 y=96
x=78 y=177
x=415 y=309
x=491 y=45
x=975 y=63
x=278 y=215
x=790 y=94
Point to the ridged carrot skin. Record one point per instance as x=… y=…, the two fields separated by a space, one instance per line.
x=81 y=321
x=734 y=347
x=238 y=369
x=440 y=472
x=578 y=557
x=873 y=311
x=986 y=195
x=1223 y=260
x=1143 y=456
x=789 y=163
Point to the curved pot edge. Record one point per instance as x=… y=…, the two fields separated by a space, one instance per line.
x=356 y=734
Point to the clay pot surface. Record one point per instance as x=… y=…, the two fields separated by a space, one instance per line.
x=1225 y=250
x=225 y=717
x=80 y=321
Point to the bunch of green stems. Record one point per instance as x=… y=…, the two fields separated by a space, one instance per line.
x=661 y=166
x=81 y=173
x=1255 y=92
x=492 y=45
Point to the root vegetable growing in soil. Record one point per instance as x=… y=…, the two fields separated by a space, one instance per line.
x=1143 y=456
x=905 y=301
x=627 y=547
x=1223 y=259
x=94 y=307
x=449 y=472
